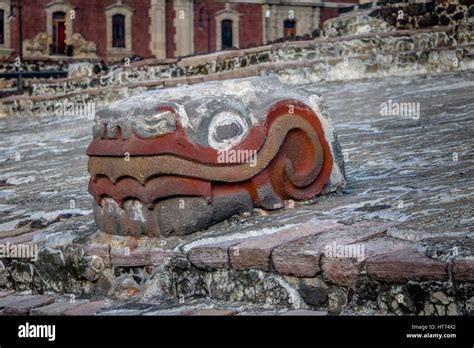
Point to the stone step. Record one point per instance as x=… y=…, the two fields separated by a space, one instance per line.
x=9 y=299
x=302 y=257
x=86 y=309
x=304 y=312
x=252 y=252
x=57 y=308
x=464 y=271
x=343 y=270
x=214 y=312
x=211 y=256
x=255 y=252
x=23 y=306
x=405 y=265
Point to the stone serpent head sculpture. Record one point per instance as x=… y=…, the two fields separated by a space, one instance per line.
x=175 y=161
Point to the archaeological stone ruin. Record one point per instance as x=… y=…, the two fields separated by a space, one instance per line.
x=175 y=161
x=216 y=183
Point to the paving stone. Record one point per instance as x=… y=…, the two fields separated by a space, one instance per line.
x=403 y=265
x=7 y=300
x=100 y=250
x=345 y=270
x=56 y=308
x=304 y=312
x=302 y=257
x=131 y=258
x=89 y=308
x=254 y=253
x=21 y=239
x=211 y=256
x=23 y=307
x=464 y=271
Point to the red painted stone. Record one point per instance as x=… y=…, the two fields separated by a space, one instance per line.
x=302 y=257
x=403 y=265
x=254 y=253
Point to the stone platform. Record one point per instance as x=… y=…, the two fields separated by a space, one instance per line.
x=406 y=216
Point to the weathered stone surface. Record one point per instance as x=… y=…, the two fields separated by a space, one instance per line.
x=130 y=258
x=255 y=252
x=377 y=150
x=342 y=272
x=89 y=308
x=20 y=239
x=7 y=300
x=23 y=307
x=200 y=154
x=158 y=257
x=301 y=258
x=304 y=312
x=56 y=308
x=5 y=293
x=345 y=270
x=313 y=294
x=100 y=250
x=404 y=265
x=464 y=271
x=215 y=312
x=211 y=256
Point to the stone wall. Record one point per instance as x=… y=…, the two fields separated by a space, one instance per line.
x=401 y=16
x=286 y=269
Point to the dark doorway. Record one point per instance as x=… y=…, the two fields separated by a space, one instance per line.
x=289 y=28
x=226 y=34
x=59 y=33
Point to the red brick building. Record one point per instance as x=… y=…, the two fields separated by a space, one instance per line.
x=113 y=29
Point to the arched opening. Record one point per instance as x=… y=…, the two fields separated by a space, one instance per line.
x=118 y=31
x=226 y=34
x=289 y=28
x=59 y=33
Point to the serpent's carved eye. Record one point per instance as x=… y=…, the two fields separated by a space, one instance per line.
x=226 y=129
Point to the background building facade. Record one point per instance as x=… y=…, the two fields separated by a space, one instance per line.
x=114 y=29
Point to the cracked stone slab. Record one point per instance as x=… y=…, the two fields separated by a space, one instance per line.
x=302 y=258
x=345 y=270
x=255 y=253
x=464 y=271
x=404 y=265
x=211 y=256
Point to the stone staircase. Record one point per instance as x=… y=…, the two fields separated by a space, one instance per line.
x=302 y=266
